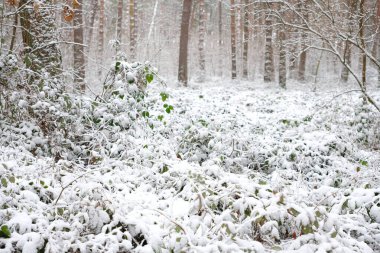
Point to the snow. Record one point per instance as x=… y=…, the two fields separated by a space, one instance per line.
x=236 y=167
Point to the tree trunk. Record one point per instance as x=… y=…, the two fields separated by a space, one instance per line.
x=348 y=47
x=245 y=39
x=282 y=60
x=39 y=34
x=347 y=56
x=184 y=43
x=233 y=40
x=268 y=62
x=101 y=36
x=220 y=39
x=132 y=29
x=378 y=43
x=362 y=42
x=119 y=20
x=303 y=56
x=201 y=43
x=79 y=59
x=91 y=25
x=378 y=59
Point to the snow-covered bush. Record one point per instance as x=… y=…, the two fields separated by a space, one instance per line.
x=69 y=126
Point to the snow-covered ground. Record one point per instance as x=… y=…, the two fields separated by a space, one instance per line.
x=236 y=168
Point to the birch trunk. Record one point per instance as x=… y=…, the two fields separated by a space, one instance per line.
x=268 y=61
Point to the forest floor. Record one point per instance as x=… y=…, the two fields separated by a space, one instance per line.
x=235 y=168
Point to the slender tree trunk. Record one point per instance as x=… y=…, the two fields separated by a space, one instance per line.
x=282 y=60
x=378 y=58
x=362 y=42
x=348 y=47
x=245 y=39
x=201 y=43
x=268 y=61
x=303 y=55
x=151 y=28
x=132 y=29
x=119 y=21
x=347 y=56
x=184 y=43
x=101 y=36
x=378 y=41
x=14 y=30
x=220 y=39
x=233 y=40
x=79 y=59
x=91 y=25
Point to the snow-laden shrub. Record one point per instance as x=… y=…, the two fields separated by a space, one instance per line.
x=72 y=127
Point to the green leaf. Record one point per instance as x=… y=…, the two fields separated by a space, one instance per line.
x=60 y=211
x=262 y=182
x=364 y=163
x=164 y=169
x=307 y=230
x=345 y=204
x=4 y=232
x=169 y=109
x=117 y=66
x=293 y=212
x=4 y=182
x=164 y=96
x=149 y=77
x=12 y=179
x=160 y=117
x=145 y=114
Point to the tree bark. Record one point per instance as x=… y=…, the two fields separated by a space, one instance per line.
x=378 y=43
x=303 y=55
x=347 y=57
x=245 y=39
x=79 y=59
x=220 y=39
x=101 y=36
x=119 y=20
x=268 y=61
x=39 y=34
x=362 y=42
x=184 y=43
x=132 y=29
x=233 y=40
x=282 y=60
x=91 y=25
x=201 y=43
